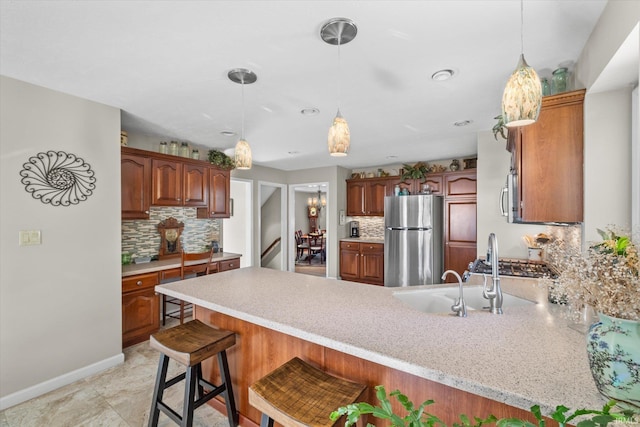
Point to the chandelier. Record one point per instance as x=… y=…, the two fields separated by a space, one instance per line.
x=317 y=202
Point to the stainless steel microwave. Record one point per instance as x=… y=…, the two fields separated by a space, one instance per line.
x=509 y=198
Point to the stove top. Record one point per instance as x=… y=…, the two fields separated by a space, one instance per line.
x=515 y=267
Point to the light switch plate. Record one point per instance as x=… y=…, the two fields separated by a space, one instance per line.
x=30 y=237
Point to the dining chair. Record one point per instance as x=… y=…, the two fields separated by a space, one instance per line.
x=301 y=245
x=316 y=246
x=191 y=265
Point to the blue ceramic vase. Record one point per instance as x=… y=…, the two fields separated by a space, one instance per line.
x=613 y=347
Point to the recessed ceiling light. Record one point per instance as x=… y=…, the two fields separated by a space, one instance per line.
x=392 y=157
x=293 y=153
x=228 y=133
x=463 y=123
x=309 y=111
x=442 y=75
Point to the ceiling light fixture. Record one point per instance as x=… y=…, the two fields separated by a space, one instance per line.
x=463 y=123
x=522 y=95
x=317 y=202
x=442 y=75
x=309 y=111
x=339 y=31
x=228 y=133
x=243 y=150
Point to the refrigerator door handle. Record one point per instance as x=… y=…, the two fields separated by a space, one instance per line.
x=409 y=228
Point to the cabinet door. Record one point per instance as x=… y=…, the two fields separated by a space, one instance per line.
x=135 y=186
x=219 y=193
x=460 y=234
x=460 y=184
x=355 y=198
x=349 y=261
x=195 y=185
x=374 y=197
x=550 y=162
x=372 y=263
x=166 y=183
x=435 y=183
x=140 y=316
x=391 y=186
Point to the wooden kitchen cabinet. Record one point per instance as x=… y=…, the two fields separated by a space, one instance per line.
x=362 y=262
x=231 y=264
x=549 y=161
x=140 y=308
x=175 y=183
x=366 y=197
x=219 y=206
x=460 y=221
x=135 y=186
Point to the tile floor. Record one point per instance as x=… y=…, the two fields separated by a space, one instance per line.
x=118 y=397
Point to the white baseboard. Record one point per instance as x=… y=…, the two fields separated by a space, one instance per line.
x=60 y=381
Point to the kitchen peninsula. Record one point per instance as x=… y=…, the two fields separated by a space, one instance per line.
x=477 y=365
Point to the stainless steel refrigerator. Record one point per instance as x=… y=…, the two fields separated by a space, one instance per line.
x=413 y=243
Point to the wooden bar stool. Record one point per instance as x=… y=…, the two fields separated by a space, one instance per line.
x=189 y=344
x=297 y=394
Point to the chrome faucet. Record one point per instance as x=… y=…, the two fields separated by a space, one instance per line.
x=493 y=294
x=459 y=307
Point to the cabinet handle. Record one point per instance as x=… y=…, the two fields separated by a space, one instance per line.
x=178 y=199
x=213 y=213
x=186 y=200
x=147 y=212
x=230 y=265
x=139 y=283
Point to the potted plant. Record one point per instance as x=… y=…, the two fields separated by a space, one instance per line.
x=605 y=277
x=218 y=158
x=417 y=171
x=418 y=417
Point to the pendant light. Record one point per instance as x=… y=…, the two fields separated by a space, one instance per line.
x=243 y=150
x=339 y=31
x=522 y=96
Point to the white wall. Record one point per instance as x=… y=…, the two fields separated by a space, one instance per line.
x=60 y=302
x=607 y=161
x=237 y=229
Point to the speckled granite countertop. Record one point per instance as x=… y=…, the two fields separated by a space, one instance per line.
x=166 y=264
x=362 y=240
x=524 y=357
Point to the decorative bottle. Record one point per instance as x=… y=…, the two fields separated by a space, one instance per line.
x=173 y=148
x=164 y=149
x=546 y=88
x=455 y=165
x=559 y=81
x=184 y=150
x=195 y=154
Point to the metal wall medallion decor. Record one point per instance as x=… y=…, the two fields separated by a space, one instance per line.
x=58 y=178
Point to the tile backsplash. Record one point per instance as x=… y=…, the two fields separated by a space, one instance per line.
x=371 y=227
x=141 y=237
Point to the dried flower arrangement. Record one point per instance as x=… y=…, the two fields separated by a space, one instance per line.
x=605 y=277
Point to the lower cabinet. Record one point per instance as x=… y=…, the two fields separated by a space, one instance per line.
x=362 y=262
x=141 y=304
x=140 y=308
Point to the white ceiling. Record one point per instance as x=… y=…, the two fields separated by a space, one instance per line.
x=165 y=64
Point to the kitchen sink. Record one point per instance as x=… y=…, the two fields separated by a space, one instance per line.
x=440 y=300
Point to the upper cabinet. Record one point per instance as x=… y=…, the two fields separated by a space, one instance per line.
x=548 y=160
x=176 y=183
x=219 y=206
x=155 y=179
x=366 y=197
x=135 y=186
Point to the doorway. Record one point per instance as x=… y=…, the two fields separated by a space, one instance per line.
x=237 y=230
x=308 y=212
x=272 y=225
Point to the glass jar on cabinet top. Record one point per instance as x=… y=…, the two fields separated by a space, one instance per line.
x=559 y=81
x=195 y=154
x=546 y=87
x=184 y=150
x=163 y=148
x=173 y=148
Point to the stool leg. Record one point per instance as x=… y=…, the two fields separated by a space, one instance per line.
x=266 y=421
x=189 y=396
x=229 y=400
x=181 y=312
x=158 y=390
x=164 y=309
x=200 y=389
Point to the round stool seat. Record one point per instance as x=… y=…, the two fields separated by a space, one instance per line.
x=297 y=394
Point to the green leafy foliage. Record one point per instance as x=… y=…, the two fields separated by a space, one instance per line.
x=499 y=128
x=417 y=171
x=218 y=158
x=417 y=417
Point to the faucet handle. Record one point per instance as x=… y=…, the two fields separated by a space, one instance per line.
x=459 y=308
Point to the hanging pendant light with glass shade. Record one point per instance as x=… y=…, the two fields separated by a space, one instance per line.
x=522 y=95
x=339 y=31
x=243 y=150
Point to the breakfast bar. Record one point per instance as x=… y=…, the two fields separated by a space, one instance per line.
x=481 y=364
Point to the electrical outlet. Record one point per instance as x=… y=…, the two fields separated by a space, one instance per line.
x=29 y=237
